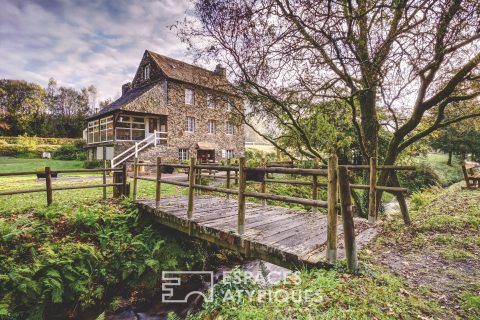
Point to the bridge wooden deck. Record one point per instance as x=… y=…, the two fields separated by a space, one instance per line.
x=279 y=235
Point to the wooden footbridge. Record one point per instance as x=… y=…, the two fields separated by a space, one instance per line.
x=279 y=235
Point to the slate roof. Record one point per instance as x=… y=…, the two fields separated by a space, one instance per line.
x=126 y=98
x=173 y=69
x=182 y=71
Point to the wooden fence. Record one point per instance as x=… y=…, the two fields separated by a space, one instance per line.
x=50 y=187
x=338 y=192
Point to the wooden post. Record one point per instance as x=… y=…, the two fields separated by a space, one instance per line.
x=372 y=192
x=241 y=195
x=124 y=180
x=104 y=173
x=135 y=180
x=48 y=182
x=158 y=183
x=263 y=185
x=314 y=191
x=228 y=178
x=198 y=180
x=332 y=210
x=400 y=199
x=191 y=182
x=347 y=218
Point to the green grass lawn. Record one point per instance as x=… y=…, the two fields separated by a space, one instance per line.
x=8 y=164
x=448 y=174
x=21 y=202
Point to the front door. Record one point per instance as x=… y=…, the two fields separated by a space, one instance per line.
x=206 y=156
x=152 y=125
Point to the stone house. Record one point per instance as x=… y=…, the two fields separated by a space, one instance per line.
x=170 y=109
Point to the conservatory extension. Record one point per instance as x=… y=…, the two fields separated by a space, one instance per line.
x=126 y=128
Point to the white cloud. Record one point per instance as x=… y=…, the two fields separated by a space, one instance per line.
x=81 y=43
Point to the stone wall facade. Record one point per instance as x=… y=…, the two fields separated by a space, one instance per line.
x=179 y=138
x=165 y=96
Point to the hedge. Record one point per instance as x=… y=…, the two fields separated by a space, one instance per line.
x=38 y=140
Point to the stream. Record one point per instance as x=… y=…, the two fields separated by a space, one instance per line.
x=156 y=310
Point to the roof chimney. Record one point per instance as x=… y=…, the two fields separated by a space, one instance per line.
x=126 y=87
x=221 y=71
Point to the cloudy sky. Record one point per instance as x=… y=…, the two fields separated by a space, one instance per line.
x=85 y=42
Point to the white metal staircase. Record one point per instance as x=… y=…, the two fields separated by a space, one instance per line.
x=153 y=139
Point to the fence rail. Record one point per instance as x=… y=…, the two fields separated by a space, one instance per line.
x=49 y=186
x=338 y=192
x=339 y=188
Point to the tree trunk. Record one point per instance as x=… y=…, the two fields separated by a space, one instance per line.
x=449 y=162
x=358 y=204
x=400 y=198
x=369 y=122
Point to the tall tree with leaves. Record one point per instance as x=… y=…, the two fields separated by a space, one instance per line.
x=22 y=102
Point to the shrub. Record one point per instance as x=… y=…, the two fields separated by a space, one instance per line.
x=251 y=163
x=422 y=178
x=27 y=143
x=16 y=150
x=93 y=164
x=235 y=285
x=307 y=164
x=258 y=155
x=38 y=140
x=71 y=151
x=56 y=269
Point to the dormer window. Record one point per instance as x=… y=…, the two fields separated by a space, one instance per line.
x=146 y=72
x=189 y=96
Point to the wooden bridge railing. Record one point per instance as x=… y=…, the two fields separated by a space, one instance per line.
x=338 y=193
x=49 y=187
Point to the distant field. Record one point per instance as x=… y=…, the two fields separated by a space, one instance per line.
x=260 y=147
x=448 y=174
x=8 y=164
x=24 y=201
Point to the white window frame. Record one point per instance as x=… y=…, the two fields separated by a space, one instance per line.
x=211 y=126
x=189 y=124
x=189 y=97
x=146 y=72
x=100 y=127
x=130 y=127
x=230 y=129
x=229 y=154
x=183 y=154
x=210 y=101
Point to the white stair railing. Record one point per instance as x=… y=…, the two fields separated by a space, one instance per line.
x=133 y=150
x=155 y=138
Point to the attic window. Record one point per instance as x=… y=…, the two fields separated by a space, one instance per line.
x=146 y=72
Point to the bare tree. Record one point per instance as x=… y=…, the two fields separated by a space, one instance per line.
x=398 y=65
